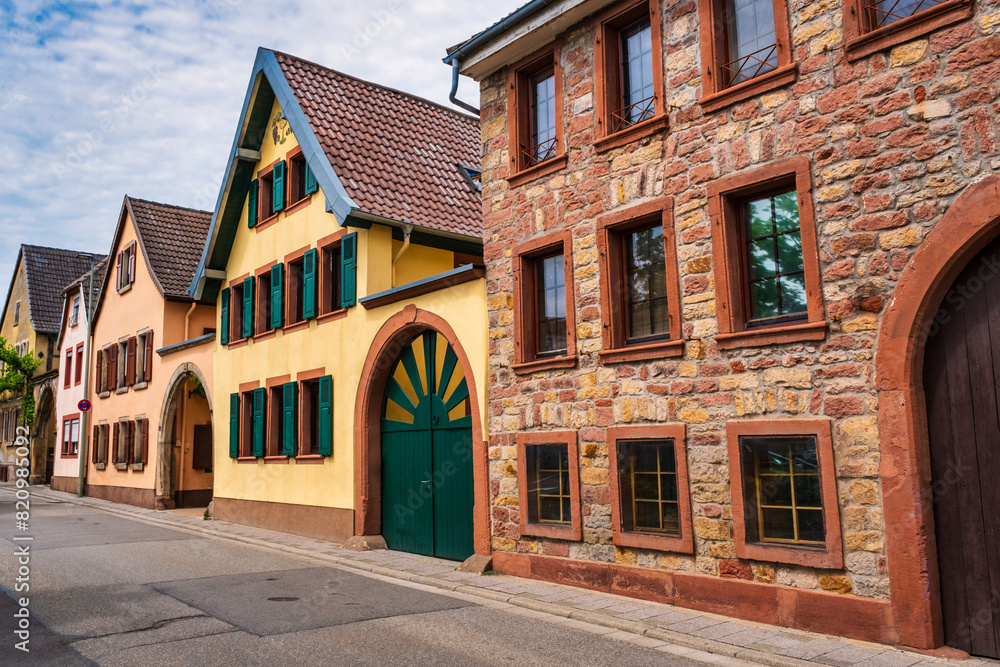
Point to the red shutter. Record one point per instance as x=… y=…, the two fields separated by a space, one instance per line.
x=114 y=441
x=94 y=442
x=113 y=367
x=148 y=359
x=145 y=440
x=118 y=271
x=131 y=265
x=130 y=363
x=67 y=382
x=79 y=365
x=105 y=432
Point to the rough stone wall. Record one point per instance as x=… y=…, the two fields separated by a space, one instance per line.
x=884 y=170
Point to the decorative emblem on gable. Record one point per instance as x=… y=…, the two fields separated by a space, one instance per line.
x=280 y=129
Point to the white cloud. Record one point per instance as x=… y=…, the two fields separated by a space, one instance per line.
x=119 y=97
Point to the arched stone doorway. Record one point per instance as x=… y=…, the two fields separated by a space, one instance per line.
x=184 y=444
x=971 y=223
x=393 y=338
x=43 y=437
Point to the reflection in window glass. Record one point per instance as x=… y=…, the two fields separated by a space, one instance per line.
x=646 y=282
x=637 y=73
x=886 y=12
x=548 y=483
x=775 y=272
x=543 y=115
x=752 y=41
x=550 y=304
x=782 y=489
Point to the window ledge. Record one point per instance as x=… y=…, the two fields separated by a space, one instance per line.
x=632 y=133
x=544 y=169
x=667 y=348
x=235 y=345
x=773 y=336
x=138 y=467
x=104 y=394
x=309 y=459
x=298 y=326
x=564 y=361
x=279 y=460
x=68 y=456
x=266 y=222
x=559 y=532
x=100 y=466
x=819 y=557
x=267 y=335
x=909 y=28
x=299 y=205
x=140 y=385
x=121 y=466
x=332 y=316
x=681 y=544
x=247 y=459
x=776 y=78
x=121 y=390
x=125 y=288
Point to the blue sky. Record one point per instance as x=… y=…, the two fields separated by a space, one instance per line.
x=106 y=98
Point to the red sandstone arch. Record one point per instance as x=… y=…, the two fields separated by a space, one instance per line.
x=397 y=331
x=968 y=226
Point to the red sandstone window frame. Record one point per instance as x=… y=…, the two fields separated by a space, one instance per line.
x=607 y=71
x=714 y=52
x=572 y=532
x=683 y=543
x=526 y=359
x=611 y=228
x=519 y=108
x=724 y=198
x=831 y=555
x=861 y=40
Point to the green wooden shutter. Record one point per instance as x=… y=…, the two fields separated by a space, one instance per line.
x=309 y=284
x=324 y=430
x=234 y=426
x=252 y=204
x=289 y=414
x=224 y=324
x=277 y=295
x=278 y=187
x=311 y=185
x=258 y=421
x=349 y=270
x=248 y=307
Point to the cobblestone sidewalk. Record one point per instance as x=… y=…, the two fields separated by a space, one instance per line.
x=652 y=625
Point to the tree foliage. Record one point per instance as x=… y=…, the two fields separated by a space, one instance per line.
x=14 y=377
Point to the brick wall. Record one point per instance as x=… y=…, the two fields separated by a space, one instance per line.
x=892 y=139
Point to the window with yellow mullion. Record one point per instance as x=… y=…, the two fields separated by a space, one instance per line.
x=548 y=484
x=648 y=481
x=785 y=479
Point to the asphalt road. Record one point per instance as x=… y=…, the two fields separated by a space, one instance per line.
x=109 y=590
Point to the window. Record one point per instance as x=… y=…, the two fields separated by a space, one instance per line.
x=122 y=437
x=68 y=369
x=264 y=301
x=122 y=363
x=71 y=436
x=246 y=429
x=315 y=416
x=17 y=312
x=330 y=297
x=301 y=180
x=628 y=57
x=535 y=121
x=878 y=25
x=785 y=505
x=75 y=316
x=293 y=298
x=766 y=262
x=139 y=444
x=266 y=196
x=274 y=431
x=241 y=311
x=473 y=176
x=125 y=268
x=302 y=287
x=544 y=334
x=143 y=365
x=548 y=484
x=640 y=292
x=745 y=49
x=78 y=378
x=100 y=444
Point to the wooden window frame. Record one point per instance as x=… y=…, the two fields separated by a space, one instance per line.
x=714 y=52
x=236 y=337
x=572 y=532
x=246 y=421
x=610 y=230
x=519 y=108
x=265 y=218
x=295 y=175
x=67 y=452
x=306 y=420
x=526 y=359
x=272 y=447
x=831 y=554
x=607 y=67
x=78 y=376
x=728 y=255
x=294 y=291
x=860 y=41
x=683 y=543
x=327 y=279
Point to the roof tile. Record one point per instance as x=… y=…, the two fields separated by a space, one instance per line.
x=172 y=238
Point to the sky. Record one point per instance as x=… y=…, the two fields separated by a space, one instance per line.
x=105 y=98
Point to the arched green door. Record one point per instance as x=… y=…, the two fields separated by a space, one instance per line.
x=427 y=488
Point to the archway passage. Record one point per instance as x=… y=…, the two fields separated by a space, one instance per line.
x=184 y=462
x=962 y=385
x=427 y=453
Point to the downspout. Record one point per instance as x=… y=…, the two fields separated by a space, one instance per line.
x=187 y=321
x=455 y=65
x=407 y=230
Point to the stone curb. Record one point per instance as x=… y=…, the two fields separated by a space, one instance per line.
x=710 y=646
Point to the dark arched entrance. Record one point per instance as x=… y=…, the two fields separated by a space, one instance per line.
x=427 y=470
x=962 y=385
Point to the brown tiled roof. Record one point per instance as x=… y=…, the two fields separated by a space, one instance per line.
x=172 y=239
x=397 y=155
x=99 y=269
x=48 y=271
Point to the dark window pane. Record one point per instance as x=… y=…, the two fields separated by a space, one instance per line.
x=668 y=486
x=547 y=468
x=887 y=12
x=807 y=492
x=776 y=490
x=550 y=508
x=550 y=280
x=804 y=456
x=811 y=526
x=777 y=524
x=648 y=486
x=671 y=518
x=646 y=282
x=751 y=39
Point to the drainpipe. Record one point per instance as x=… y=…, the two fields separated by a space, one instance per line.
x=187 y=321
x=81 y=451
x=407 y=230
x=455 y=64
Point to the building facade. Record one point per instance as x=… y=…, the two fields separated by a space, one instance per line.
x=742 y=303
x=151 y=422
x=31 y=323
x=345 y=254
x=72 y=344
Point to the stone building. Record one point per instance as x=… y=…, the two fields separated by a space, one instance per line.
x=742 y=329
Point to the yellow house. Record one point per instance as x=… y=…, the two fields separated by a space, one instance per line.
x=30 y=322
x=346 y=256
x=151 y=425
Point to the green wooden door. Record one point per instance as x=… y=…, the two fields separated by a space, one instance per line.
x=427 y=482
